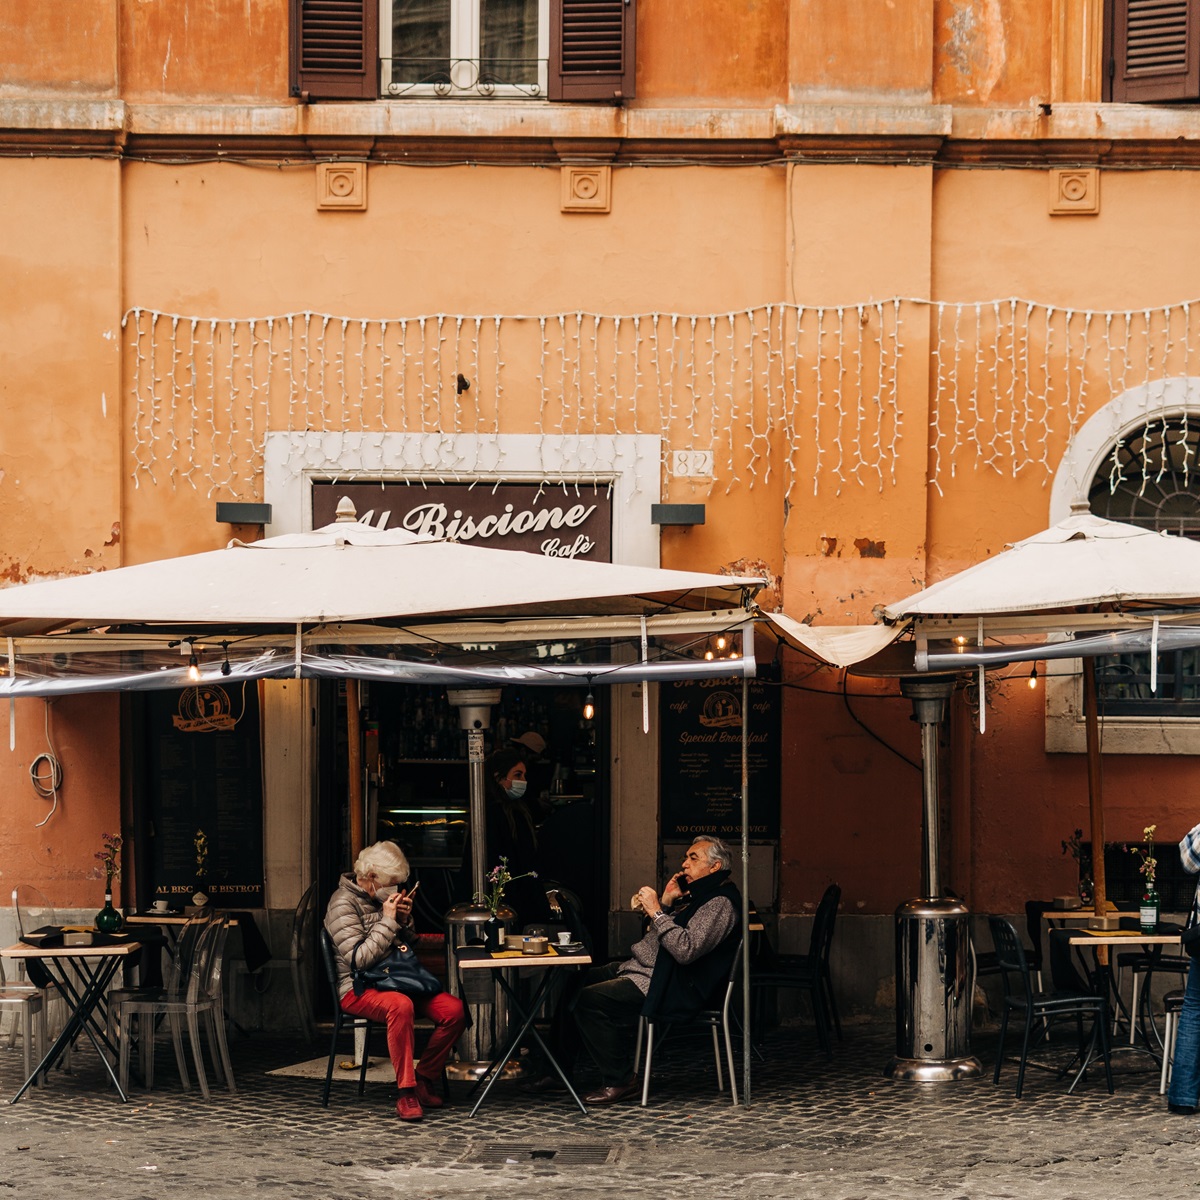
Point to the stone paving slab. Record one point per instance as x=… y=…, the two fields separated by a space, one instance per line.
x=836 y=1129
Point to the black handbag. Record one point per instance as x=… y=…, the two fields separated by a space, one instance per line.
x=1189 y=939
x=398 y=971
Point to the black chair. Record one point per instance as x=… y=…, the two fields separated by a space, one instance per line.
x=340 y=1019
x=810 y=972
x=718 y=1014
x=1071 y=998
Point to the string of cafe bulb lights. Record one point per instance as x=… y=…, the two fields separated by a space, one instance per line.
x=810 y=392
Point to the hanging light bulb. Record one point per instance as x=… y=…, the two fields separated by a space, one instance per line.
x=1033 y=678
x=193 y=667
x=708 y=654
x=721 y=641
x=589 y=707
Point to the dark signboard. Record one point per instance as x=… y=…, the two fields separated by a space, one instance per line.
x=701 y=759
x=565 y=522
x=205 y=775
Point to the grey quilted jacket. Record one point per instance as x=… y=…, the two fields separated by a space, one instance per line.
x=354 y=920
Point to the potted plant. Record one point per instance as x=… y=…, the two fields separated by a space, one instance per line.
x=1148 y=866
x=110 y=919
x=492 y=898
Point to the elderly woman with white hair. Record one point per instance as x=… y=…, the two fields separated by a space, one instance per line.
x=368 y=915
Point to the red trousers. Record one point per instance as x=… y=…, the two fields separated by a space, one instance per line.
x=396 y=1010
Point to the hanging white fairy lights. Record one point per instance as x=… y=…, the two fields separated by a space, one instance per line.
x=779 y=387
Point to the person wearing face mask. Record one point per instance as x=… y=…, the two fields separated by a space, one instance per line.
x=369 y=914
x=512 y=819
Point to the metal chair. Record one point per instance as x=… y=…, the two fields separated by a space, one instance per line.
x=810 y=972
x=1172 y=1007
x=34 y=910
x=717 y=1017
x=24 y=1001
x=1038 y=1007
x=340 y=1019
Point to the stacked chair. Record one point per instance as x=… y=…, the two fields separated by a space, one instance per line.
x=810 y=972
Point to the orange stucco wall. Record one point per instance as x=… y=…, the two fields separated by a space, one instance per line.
x=796 y=221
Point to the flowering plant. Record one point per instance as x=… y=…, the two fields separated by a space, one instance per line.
x=1149 y=864
x=200 y=841
x=110 y=856
x=498 y=878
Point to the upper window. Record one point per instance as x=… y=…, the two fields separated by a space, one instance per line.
x=1152 y=50
x=464 y=47
x=540 y=49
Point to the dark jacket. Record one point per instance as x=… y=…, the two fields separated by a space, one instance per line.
x=677 y=991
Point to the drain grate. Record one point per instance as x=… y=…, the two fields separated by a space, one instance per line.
x=570 y=1154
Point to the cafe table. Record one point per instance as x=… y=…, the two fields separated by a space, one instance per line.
x=82 y=975
x=1128 y=939
x=501 y=963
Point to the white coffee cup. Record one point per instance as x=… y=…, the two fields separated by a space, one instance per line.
x=564 y=938
x=160 y=906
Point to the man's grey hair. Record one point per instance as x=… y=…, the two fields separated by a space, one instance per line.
x=718 y=852
x=385 y=861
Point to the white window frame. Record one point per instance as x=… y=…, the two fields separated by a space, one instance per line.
x=464 y=51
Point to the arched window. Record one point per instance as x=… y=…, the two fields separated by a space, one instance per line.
x=1151 y=478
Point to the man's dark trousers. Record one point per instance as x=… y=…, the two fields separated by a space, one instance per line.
x=606 y=1016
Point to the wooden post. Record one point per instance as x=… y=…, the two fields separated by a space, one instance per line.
x=1091 y=724
x=354 y=768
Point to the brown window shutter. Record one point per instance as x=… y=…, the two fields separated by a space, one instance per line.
x=591 y=50
x=335 y=49
x=1155 y=50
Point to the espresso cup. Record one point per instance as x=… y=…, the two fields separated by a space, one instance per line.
x=160 y=906
x=564 y=938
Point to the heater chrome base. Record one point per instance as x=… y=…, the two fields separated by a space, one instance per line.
x=470 y=1072
x=933 y=1070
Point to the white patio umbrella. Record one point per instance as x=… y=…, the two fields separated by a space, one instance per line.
x=1109 y=586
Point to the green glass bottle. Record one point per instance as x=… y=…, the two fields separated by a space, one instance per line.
x=1148 y=912
x=109 y=919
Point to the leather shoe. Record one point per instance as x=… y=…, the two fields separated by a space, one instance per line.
x=408 y=1107
x=610 y=1095
x=426 y=1096
x=1182 y=1110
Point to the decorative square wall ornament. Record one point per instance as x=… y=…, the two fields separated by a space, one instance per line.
x=586 y=188
x=1074 y=191
x=342 y=186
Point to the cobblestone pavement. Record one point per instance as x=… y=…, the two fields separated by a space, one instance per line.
x=836 y=1129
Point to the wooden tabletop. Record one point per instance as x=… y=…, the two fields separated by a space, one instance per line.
x=168 y=918
x=1123 y=937
x=112 y=950
x=510 y=959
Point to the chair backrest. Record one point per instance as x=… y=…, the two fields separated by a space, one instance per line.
x=1010 y=955
x=822 y=930
x=33 y=909
x=216 y=960
x=1033 y=927
x=329 y=958
x=302 y=924
x=185 y=958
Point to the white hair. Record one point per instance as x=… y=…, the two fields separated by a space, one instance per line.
x=718 y=852
x=384 y=861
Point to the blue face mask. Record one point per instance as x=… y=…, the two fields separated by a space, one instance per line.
x=516 y=789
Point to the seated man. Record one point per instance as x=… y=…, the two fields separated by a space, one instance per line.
x=684 y=956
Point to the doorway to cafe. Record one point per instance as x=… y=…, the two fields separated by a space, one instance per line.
x=415 y=787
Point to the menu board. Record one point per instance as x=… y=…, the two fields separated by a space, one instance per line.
x=205 y=776
x=701 y=759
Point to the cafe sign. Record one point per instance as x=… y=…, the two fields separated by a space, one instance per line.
x=574 y=521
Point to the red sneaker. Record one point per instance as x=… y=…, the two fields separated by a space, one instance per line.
x=408 y=1107
x=426 y=1095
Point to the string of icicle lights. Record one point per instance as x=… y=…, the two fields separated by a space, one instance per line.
x=824 y=397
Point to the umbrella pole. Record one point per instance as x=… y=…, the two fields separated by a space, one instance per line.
x=354 y=767
x=1091 y=725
